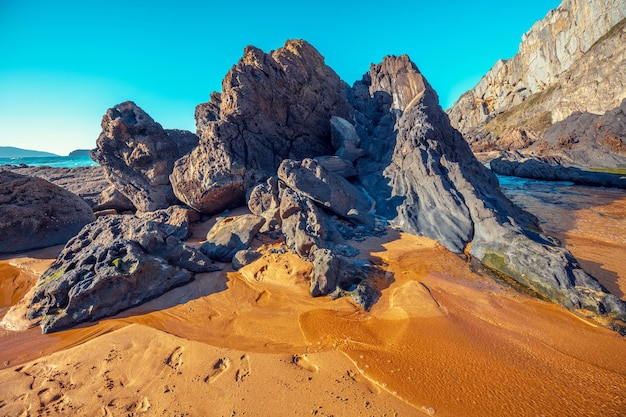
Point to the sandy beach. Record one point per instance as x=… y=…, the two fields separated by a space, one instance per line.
x=444 y=339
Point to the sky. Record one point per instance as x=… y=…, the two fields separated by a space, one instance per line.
x=64 y=63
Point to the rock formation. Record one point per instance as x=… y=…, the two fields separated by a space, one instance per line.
x=571 y=61
x=138 y=155
x=114 y=263
x=35 y=213
x=267 y=140
x=428 y=182
x=272 y=106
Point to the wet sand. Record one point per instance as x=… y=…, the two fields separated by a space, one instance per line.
x=442 y=340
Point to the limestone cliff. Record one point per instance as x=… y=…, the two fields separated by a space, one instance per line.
x=572 y=60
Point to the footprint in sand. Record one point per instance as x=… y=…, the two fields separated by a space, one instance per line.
x=304 y=362
x=220 y=366
x=244 y=369
x=175 y=360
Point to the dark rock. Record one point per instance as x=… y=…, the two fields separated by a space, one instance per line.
x=35 y=213
x=174 y=220
x=138 y=155
x=331 y=191
x=303 y=224
x=272 y=106
x=264 y=201
x=426 y=179
x=230 y=235
x=114 y=263
x=332 y=271
x=245 y=257
x=535 y=168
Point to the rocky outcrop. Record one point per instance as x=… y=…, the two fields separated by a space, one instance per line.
x=272 y=106
x=35 y=213
x=138 y=155
x=428 y=182
x=231 y=235
x=279 y=112
x=550 y=48
x=89 y=183
x=114 y=263
x=535 y=168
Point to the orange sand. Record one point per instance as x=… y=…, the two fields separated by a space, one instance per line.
x=442 y=340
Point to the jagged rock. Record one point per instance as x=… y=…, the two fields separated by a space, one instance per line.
x=272 y=106
x=89 y=183
x=174 y=220
x=303 y=224
x=138 y=155
x=114 y=263
x=331 y=271
x=331 y=191
x=537 y=169
x=35 y=213
x=245 y=257
x=230 y=235
x=430 y=184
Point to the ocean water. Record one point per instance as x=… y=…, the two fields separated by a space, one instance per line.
x=51 y=161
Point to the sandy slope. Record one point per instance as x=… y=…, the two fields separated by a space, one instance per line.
x=442 y=340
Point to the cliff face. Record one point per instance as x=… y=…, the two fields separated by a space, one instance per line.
x=561 y=50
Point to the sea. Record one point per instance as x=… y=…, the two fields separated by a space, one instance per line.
x=51 y=161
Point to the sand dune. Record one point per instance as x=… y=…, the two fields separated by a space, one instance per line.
x=442 y=340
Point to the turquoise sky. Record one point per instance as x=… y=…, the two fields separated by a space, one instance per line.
x=63 y=63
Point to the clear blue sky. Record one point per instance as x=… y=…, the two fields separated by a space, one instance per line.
x=63 y=63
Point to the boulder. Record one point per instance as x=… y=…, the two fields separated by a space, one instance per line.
x=174 y=220
x=332 y=271
x=114 y=263
x=138 y=155
x=337 y=165
x=35 y=213
x=230 y=235
x=329 y=190
x=303 y=224
x=245 y=257
x=272 y=106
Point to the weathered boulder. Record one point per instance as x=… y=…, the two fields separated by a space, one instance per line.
x=114 y=263
x=35 y=213
x=89 y=183
x=535 y=168
x=337 y=165
x=272 y=106
x=230 y=235
x=329 y=190
x=303 y=224
x=173 y=221
x=331 y=271
x=138 y=155
x=245 y=257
